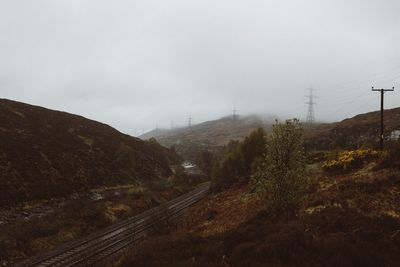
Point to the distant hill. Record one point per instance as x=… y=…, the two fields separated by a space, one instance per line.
x=216 y=132
x=188 y=141
x=46 y=153
x=353 y=132
x=363 y=129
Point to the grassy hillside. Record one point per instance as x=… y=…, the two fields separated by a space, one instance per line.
x=363 y=129
x=350 y=219
x=46 y=153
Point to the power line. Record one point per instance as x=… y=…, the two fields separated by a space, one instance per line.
x=343 y=87
x=351 y=89
x=382 y=98
x=347 y=103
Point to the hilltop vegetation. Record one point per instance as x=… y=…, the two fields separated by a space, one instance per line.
x=46 y=153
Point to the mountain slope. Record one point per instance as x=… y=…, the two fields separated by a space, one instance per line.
x=353 y=132
x=359 y=130
x=210 y=135
x=46 y=153
x=216 y=132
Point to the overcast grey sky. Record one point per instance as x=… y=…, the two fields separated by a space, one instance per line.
x=133 y=64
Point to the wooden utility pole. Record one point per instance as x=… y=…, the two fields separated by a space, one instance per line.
x=382 y=126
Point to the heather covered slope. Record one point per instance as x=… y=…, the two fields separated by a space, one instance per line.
x=46 y=153
x=363 y=129
x=348 y=219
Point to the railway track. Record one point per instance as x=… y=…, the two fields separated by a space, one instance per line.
x=97 y=247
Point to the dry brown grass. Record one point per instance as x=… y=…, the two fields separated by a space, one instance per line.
x=76 y=219
x=348 y=220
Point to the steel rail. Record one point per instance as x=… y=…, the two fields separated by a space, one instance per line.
x=110 y=229
x=110 y=237
x=119 y=244
x=121 y=232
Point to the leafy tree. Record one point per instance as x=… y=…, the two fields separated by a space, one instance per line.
x=205 y=161
x=280 y=178
x=180 y=177
x=230 y=147
x=153 y=141
x=236 y=165
x=253 y=147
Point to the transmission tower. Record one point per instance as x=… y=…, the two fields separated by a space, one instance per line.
x=310 y=111
x=234 y=114
x=190 y=121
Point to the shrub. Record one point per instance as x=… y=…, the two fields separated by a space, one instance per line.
x=349 y=160
x=180 y=176
x=280 y=177
x=393 y=155
x=25 y=232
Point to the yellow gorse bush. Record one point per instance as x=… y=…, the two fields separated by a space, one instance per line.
x=348 y=160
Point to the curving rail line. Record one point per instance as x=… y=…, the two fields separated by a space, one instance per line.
x=113 y=239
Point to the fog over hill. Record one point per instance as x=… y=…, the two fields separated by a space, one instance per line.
x=362 y=129
x=215 y=132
